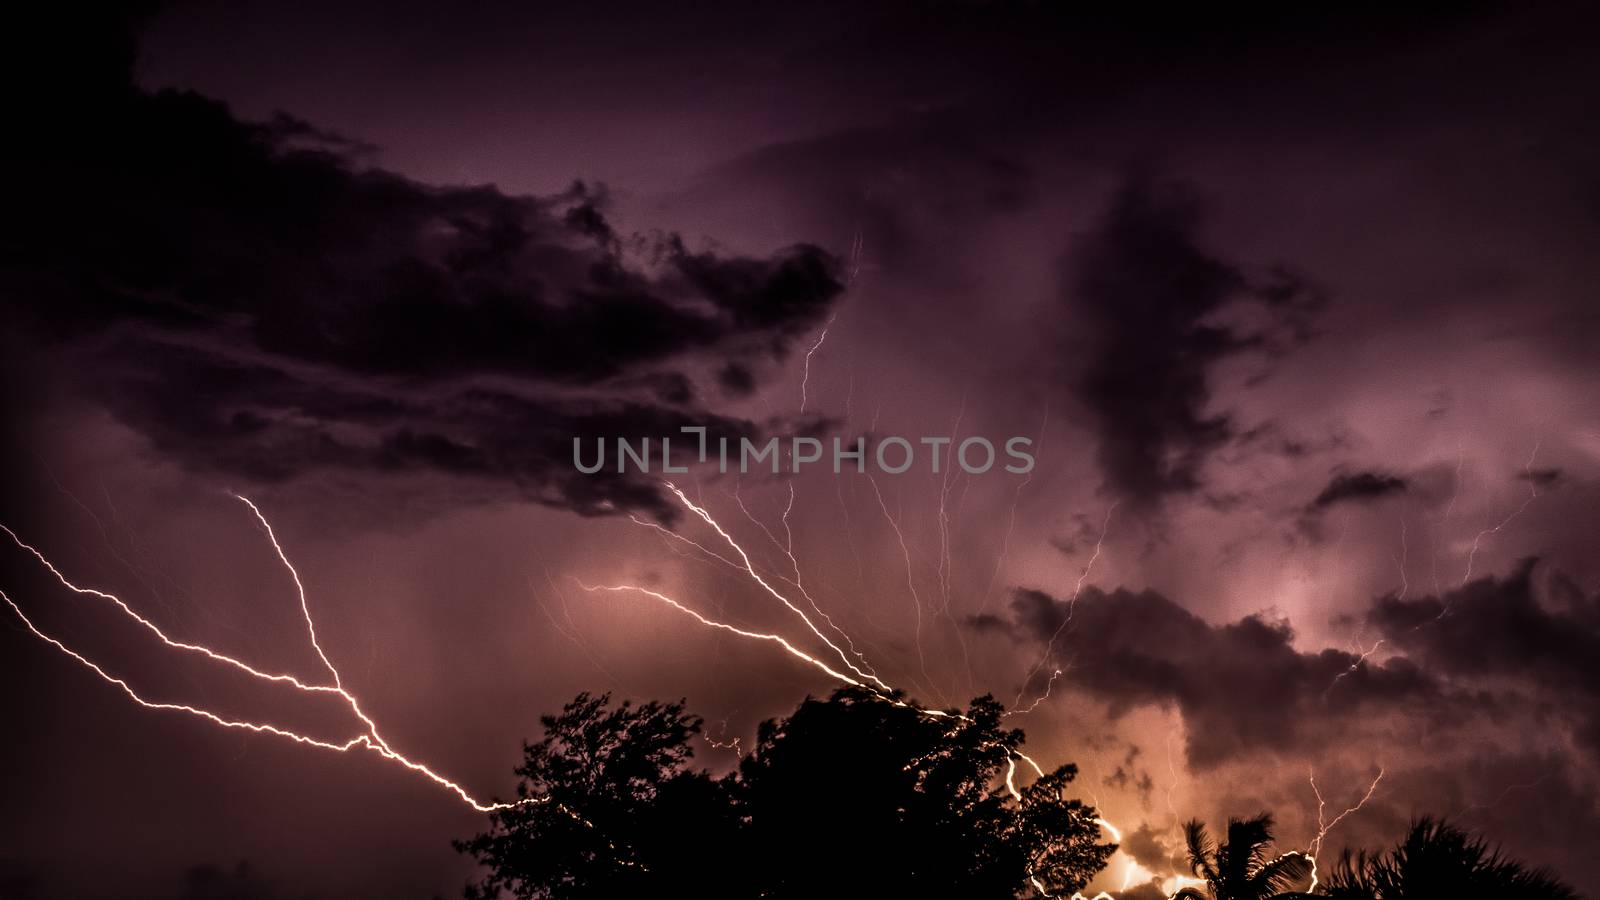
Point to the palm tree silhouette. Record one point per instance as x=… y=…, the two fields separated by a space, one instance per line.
x=1240 y=868
x=1437 y=859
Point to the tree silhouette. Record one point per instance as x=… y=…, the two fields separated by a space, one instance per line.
x=1241 y=868
x=853 y=795
x=1437 y=859
x=910 y=804
x=620 y=812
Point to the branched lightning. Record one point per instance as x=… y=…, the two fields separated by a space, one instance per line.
x=1533 y=494
x=750 y=569
x=1361 y=657
x=778 y=639
x=911 y=581
x=667 y=532
x=370 y=739
x=883 y=691
x=787 y=548
x=1011 y=518
x=1043 y=696
x=1323 y=827
x=855 y=677
x=1072 y=603
x=849 y=674
x=1314 y=846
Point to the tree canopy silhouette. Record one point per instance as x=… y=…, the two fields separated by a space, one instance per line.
x=1437 y=859
x=853 y=795
x=619 y=810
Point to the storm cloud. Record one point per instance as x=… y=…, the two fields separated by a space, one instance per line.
x=1243 y=687
x=255 y=299
x=1154 y=298
x=1356 y=487
x=1246 y=279
x=1500 y=631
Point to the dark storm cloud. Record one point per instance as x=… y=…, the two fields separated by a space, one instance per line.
x=1241 y=686
x=1491 y=647
x=1355 y=487
x=254 y=300
x=1542 y=478
x=737 y=380
x=1155 y=301
x=270 y=423
x=1497 y=630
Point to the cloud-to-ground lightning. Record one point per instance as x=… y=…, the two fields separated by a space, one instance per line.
x=855 y=677
x=369 y=739
x=884 y=691
x=844 y=670
x=1324 y=826
x=1314 y=846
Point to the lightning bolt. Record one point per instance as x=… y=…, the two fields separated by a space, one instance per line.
x=1177 y=882
x=1533 y=494
x=854 y=677
x=1405 y=555
x=1315 y=845
x=1506 y=792
x=946 y=564
x=1037 y=700
x=786 y=547
x=1360 y=658
x=946 y=567
x=805 y=375
x=750 y=569
x=370 y=739
x=1072 y=603
x=1011 y=517
x=848 y=673
x=911 y=582
x=778 y=639
x=883 y=692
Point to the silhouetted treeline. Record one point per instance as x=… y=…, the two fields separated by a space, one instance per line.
x=859 y=795
x=848 y=796
x=1437 y=859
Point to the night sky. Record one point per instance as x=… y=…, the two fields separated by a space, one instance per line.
x=1299 y=309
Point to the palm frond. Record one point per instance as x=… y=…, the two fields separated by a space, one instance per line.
x=1202 y=852
x=1278 y=875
